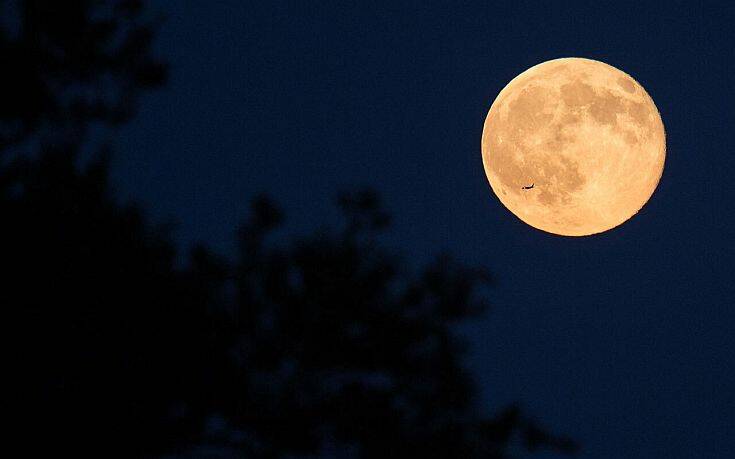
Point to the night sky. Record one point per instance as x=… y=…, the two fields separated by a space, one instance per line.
x=622 y=340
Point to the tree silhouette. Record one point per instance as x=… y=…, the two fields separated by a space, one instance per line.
x=68 y=64
x=327 y=342
x=343 y=342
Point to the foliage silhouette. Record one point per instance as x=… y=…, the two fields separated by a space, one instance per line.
x=67 y=64
x=325 y=342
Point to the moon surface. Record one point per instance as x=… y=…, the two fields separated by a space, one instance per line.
x=587 y=138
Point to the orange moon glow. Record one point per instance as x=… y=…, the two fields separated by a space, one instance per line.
x=573 y=146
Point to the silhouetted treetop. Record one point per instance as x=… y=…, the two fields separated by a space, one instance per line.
x=346 y=345
x=67 y=63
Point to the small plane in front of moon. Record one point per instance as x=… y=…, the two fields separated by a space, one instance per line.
x=529 y=186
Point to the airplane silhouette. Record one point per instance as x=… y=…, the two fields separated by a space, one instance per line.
x=528 y=187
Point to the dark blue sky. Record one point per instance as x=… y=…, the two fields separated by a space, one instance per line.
x=623 y=340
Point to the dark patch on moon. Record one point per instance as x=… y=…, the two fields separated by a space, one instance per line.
x=577 y=94
x=630 y=138
x=559 y=139
x=627 y=84
x=606 y=107
x=528 y=109
x=512 y=173
x=544 y=197
x=565 y=174
x=639 y=111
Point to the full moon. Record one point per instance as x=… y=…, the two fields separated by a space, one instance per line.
x=573 y=146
